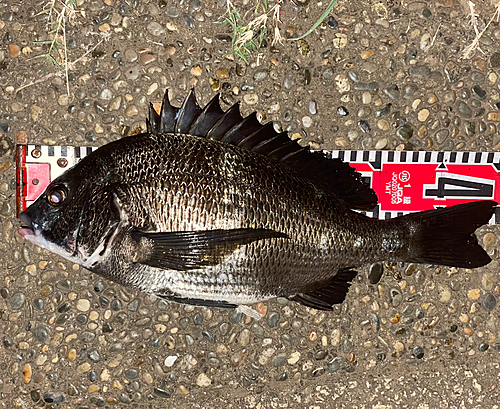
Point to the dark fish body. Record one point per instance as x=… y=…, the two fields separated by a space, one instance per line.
x=227 y=218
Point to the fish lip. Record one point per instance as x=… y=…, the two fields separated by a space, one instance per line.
x=31 y=229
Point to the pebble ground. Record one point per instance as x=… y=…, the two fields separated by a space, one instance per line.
x=374 y=75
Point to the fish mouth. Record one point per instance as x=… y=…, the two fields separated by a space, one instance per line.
x=32 y=229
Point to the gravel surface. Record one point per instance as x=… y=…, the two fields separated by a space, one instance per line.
x=374 y=75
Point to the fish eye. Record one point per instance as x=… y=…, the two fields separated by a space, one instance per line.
x=57 y=195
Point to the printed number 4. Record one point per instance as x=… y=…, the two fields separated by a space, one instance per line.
x=460 y=187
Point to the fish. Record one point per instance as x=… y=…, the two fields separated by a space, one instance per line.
x=211 y=208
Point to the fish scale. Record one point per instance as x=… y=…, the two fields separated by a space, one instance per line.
x=233 y=214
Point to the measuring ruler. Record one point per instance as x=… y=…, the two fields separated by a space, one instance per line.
x=405 y=181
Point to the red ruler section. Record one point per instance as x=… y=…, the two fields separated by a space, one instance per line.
x=404 y=181
x=38 y=165
x=407 y=182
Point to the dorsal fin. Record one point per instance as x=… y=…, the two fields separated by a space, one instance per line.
x=188 y=113
x=168 y=115
x=230 y=127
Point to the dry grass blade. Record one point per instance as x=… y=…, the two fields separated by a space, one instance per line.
x=318 y=22
x=474 y=21
x=247 y=38
x=58 y=13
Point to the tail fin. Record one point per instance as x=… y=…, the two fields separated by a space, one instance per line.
x=446 y=236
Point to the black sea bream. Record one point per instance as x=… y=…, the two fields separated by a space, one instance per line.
x=209 y=208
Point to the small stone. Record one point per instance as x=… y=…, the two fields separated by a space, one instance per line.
x=273 y=320
x=422 y=131
x=131 y=111
x=376 y=271
x=27 y=373
x=83 y=368
x=94 y=356
x=196 y=71
x=303 y=47
x=444 y=294
x=340 y=40
x=383 y=125
x=14 y=50
x=441 y=135
x=251 y=99
x=103 y=28
x=364 y=126
x=489 y=302
x=342 y=83
x=93 y=388
x=405 y=132
x=222 y=73
x=366 y=86
x=83 y=305
x=294 y=358
x=353 y=75
x=130 y=55
x=161 y=393
x=115 y=104
x=17 y=301
x=313 y=107
x=261 y=309
x=148 y=58
x=131 y=373
x=392 y=92
x=487 y=281
x=495 y=60
x=418 y=352
x=306 y=121
x=420 y=71
x=172 y=12
x=279 y=360
x=483 y=347
x=107 y=328
x=479 y=92
x=336 y=363
x=463 y=109
x=203 y=380
x=494 y=116
x=170 y=360
x=35 y=395
x=423 y=114
x=409 y=91
x=81 y=319
x=395 y=296
x=51 y=397
x=332 y=23
x=342 y=111
x=41 y=333
x=260 y=75
x=474 y=294
x=366 y=54
x=366 y=98
x=155 y=29
x=244 y=337
x=341 y=142
x=63 y=100
x=452 y=71
x=236 y=316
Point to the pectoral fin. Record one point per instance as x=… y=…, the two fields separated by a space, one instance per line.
x=188 y=250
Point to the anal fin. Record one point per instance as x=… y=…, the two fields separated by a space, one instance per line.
x=333 y=292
